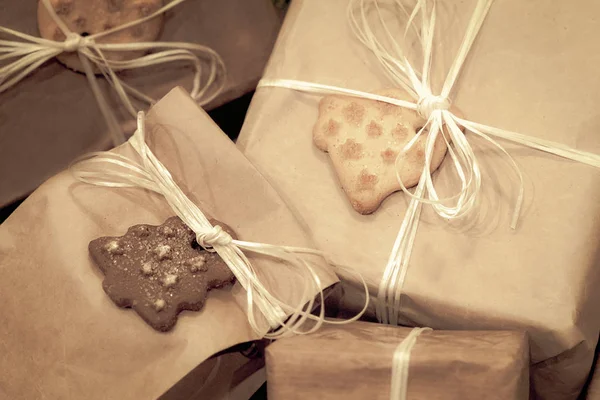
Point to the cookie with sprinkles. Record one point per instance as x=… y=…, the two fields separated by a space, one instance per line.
x=159 y=271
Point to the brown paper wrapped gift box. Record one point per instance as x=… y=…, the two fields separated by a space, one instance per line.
x=532 y=70
x=354 y=362
x=51 y=116
x=62 y=337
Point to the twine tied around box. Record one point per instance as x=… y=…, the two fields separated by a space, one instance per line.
x=436 y=109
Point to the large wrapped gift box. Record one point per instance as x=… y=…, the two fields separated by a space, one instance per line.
x=355 y=362
x=530 y=70
x=51 y=116
x=62 y=336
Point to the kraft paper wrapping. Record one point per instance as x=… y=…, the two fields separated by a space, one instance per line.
x=532 y=70
x=60 y=334
x=51 y=116
x=355 y=362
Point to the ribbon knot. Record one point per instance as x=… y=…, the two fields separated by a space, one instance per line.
x=430 y=103
x=74 y=42
x=215 y=236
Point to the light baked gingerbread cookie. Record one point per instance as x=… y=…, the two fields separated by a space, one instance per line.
x=88 y=17
x=364 y=137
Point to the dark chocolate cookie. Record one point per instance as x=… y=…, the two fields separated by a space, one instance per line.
x=159 y=270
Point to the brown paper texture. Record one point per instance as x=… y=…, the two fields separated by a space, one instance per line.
x=51 y=116
x=62 y=337
x=355 y=361
x=531 y=70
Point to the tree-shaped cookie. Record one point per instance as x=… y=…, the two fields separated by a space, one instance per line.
x=159 y=271
x=364 y=137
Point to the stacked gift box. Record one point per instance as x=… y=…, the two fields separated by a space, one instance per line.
x=486 y=308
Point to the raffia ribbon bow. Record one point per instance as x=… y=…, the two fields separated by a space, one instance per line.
x=31 y=52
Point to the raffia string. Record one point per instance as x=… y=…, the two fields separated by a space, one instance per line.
x=31 y=52
x=114 y=170
x=362 y=16
x=401 y=364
